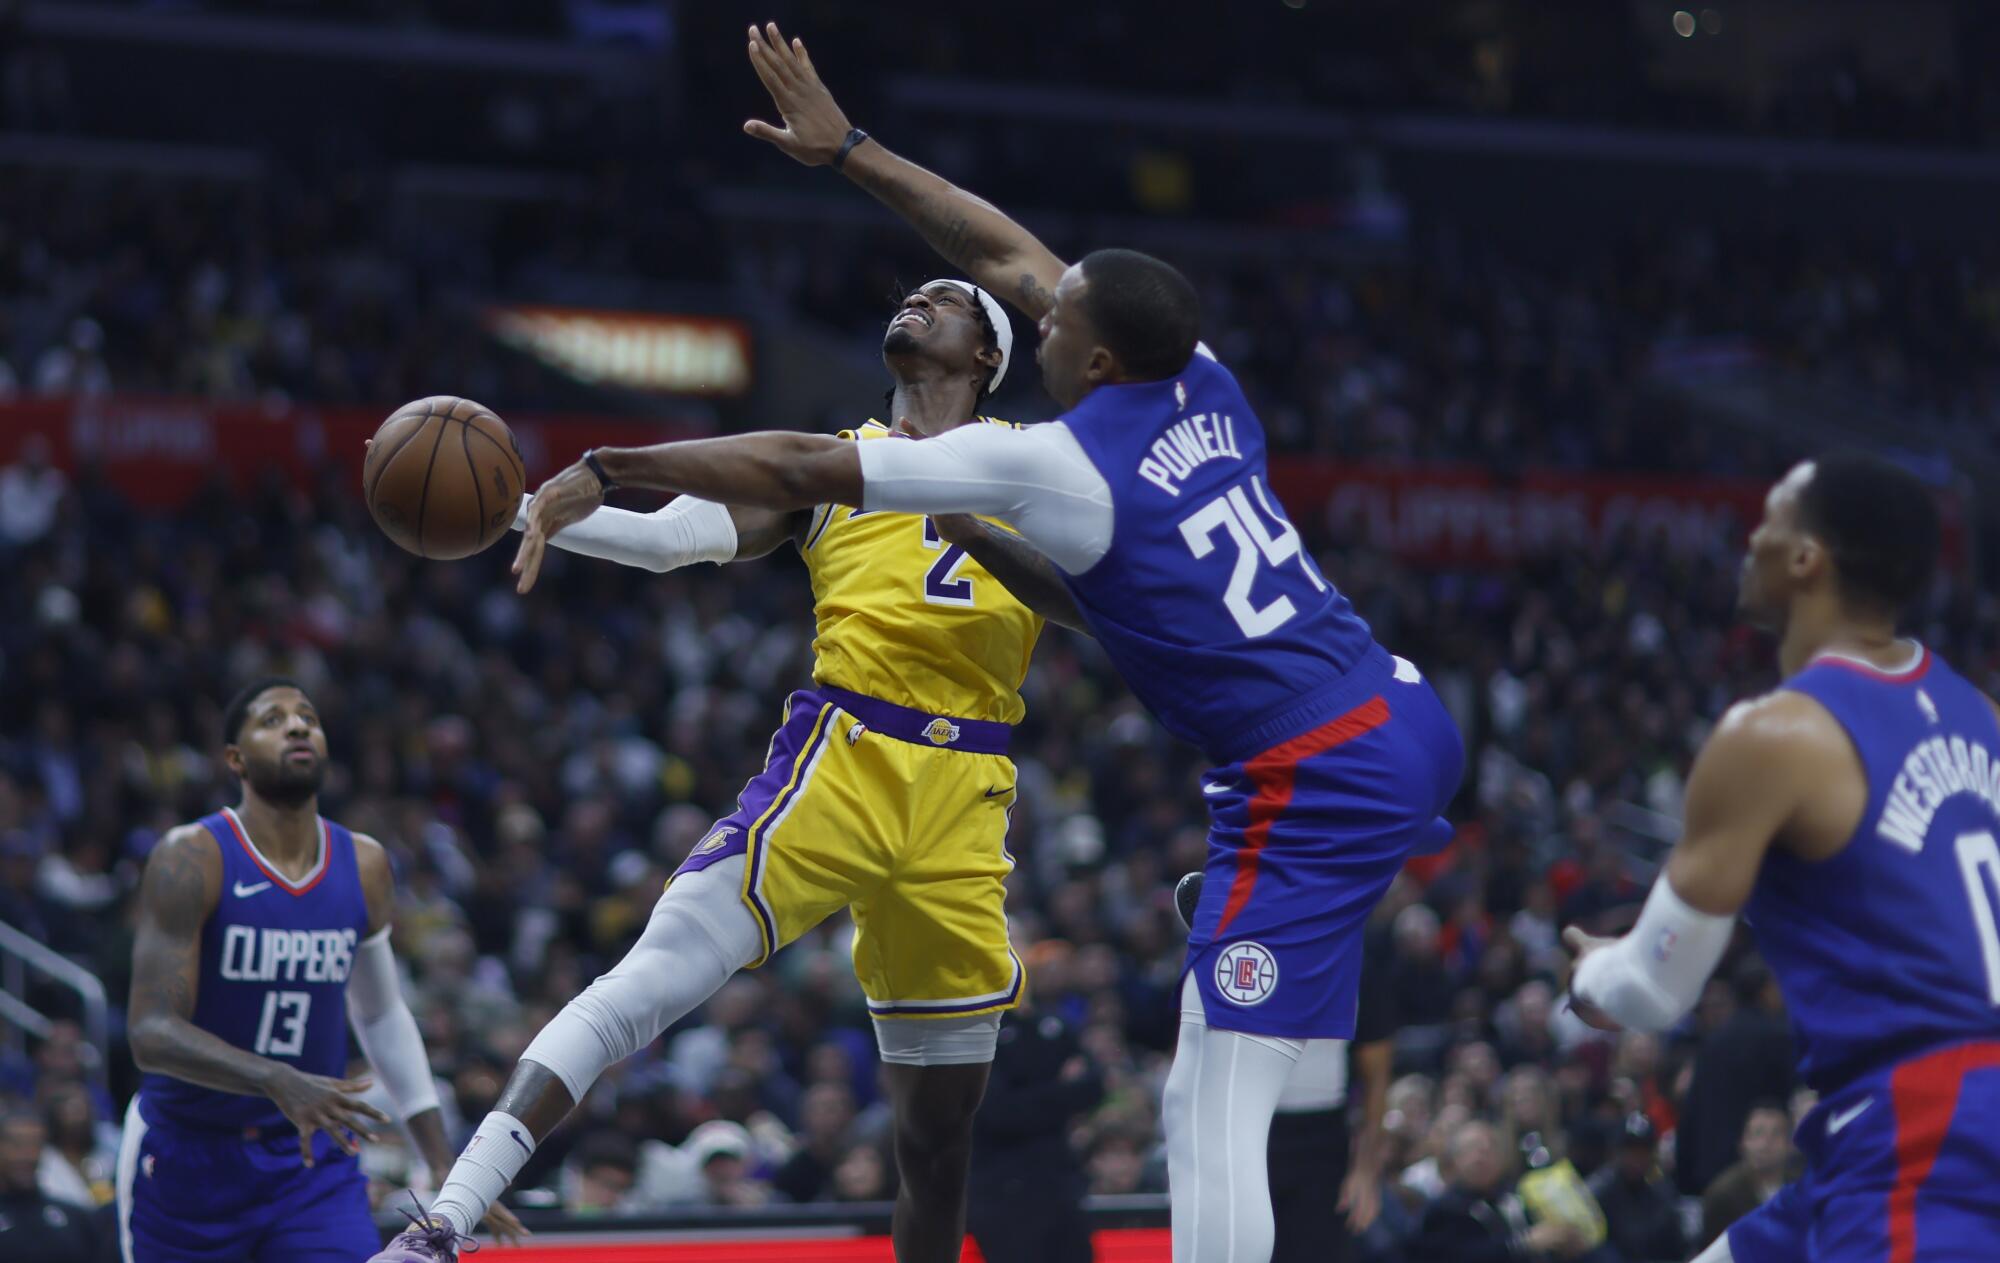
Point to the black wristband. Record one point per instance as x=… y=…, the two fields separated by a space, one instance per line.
x=854 y=137
x=591 y=463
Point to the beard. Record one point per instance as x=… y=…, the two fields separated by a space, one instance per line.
x=899 y=341
x=283 y=784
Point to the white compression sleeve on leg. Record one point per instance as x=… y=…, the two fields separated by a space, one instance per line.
x=699 y=934
x=495 y=1155
x=1651 y=978
x=684 y=532
x=1221 y=1093
x=386 y=1029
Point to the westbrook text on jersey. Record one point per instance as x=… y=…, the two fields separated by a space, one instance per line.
x=1936 y=770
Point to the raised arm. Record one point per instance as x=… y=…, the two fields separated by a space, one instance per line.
x=183 y=880
x=1001 y=256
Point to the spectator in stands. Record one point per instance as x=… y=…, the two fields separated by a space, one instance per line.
x=599 y=1175
x=1478 y=1218
x=1021 y=1156
x=78 y=1165
x=1641 y=1210
x=34 y=1227
x=75 y=366
x=1421 y=984
x=826 y=1123
x=1768 y=1162
x=720 y=1151
x=1748 y=1059
x=864 y=1175
x=31 y=494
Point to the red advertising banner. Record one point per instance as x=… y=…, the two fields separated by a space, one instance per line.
x=1117 y=1245
x=160 y=452
x=1442 y=515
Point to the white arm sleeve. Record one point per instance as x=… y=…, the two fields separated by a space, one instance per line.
x=684 y=532
x=1036 y=480
x=1651 y=978
x=387 y=1030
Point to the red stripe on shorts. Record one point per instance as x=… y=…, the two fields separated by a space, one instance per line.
x=1924 y=1093
x=1270 y=775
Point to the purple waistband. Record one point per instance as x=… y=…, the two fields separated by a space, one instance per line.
x=974 y=736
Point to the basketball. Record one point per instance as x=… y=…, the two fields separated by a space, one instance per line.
x=444 y=477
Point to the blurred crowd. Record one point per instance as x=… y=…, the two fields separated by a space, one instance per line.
x=1443 y=353
x=538 y=766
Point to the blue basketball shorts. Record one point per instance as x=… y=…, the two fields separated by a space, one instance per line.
x=1304 y=839
x=1902 y=1166
x=187 y=1195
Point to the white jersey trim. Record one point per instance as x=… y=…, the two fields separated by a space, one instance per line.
x=1915 y=663
x=272 y=870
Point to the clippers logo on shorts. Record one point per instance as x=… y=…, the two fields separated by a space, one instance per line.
x=1246 y=974
x=941 y=732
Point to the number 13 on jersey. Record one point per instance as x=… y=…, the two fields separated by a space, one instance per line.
x=1245 y=525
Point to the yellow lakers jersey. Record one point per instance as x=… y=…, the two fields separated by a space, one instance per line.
x=905 y=617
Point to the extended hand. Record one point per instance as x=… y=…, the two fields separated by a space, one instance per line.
x=1582 y=945
x=814 y=126
x=506 y=1229
x=564 y=500
x=334 y=1106
x=1360 y=1199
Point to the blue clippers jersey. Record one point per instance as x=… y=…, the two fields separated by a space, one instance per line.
x=274 y=963
x=1893 y=946
x=1207 y=604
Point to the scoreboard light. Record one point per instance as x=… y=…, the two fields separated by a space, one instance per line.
x=671 y=354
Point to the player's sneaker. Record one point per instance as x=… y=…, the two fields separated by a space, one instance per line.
x=426 y=1240
x=1187 y=893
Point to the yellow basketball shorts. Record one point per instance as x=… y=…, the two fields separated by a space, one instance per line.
x=900 y=817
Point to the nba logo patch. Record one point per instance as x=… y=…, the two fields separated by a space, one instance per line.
x=714 y=841
x=1246 y=974
x=941 y=732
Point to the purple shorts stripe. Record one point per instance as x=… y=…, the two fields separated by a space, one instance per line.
x=764 y=799
x=958 y=1009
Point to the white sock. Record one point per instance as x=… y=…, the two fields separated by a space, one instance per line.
x=1220 y=1096
x=498 y=1151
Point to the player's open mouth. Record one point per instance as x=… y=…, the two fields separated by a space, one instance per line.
x=914 y=315
x=301 y=752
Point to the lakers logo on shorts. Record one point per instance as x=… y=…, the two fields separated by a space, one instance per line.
x=1246 y=974
x=714 y=841
x=941 y=732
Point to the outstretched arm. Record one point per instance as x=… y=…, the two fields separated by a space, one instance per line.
x=1037 y=480
x=687 y=531
x=1001 y=256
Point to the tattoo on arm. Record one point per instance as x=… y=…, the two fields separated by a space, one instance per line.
x=1024 y=571
x=1034 y=295
x=174 y=904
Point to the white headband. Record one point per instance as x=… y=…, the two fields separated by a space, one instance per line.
x=1003 y=329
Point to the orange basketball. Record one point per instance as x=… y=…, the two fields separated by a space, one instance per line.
x=444 y=477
